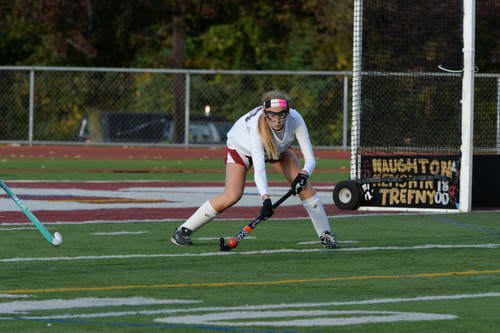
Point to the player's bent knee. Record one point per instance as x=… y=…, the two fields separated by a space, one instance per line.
x=232 y=198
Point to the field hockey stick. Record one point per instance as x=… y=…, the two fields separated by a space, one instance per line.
x=233 y=241
x=55 y=239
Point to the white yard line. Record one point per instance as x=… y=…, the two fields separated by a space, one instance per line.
x=118 y=233
x=263 y=252
x=373 y=215
x=14 y=296
x=317 y=242
x=217 y=238
x=16 y=229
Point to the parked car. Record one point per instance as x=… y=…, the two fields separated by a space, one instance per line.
x=201 y=130
x=156 y=128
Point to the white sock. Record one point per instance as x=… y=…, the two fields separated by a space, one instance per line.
x=317 y=214
x=204 y=214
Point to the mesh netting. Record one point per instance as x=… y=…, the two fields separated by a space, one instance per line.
x=406 y=103
x=403 y=100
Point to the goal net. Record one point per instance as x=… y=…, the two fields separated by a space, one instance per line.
x=406 y=132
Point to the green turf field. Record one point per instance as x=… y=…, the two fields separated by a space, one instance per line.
x=430 y=265
x=184 y=170
x=394 y=273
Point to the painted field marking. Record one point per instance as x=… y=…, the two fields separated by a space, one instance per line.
x=110 y=200
x=14 y=296
x=317 y=242
x=19 y=307
x=282 y=313
x=313 y=318
x=466 y=226
x=168 y=220
x=139 y=197
x=255 y=283
x=137 y=326
x=97 y=302
x=264 y=252
x=17 y=229
x=118 y=233
x=217 y=238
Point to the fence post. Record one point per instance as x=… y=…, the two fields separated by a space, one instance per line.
x=31 y=107
x=346 y=112
x=187 y=110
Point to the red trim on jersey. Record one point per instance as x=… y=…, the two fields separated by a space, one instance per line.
x=237 y=158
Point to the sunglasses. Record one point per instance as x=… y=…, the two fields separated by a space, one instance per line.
x=276 y=115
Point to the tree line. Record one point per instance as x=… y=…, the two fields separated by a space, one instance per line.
x=205 y=34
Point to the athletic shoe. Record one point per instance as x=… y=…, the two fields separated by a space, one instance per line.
x=329 y=241
x=182 y=237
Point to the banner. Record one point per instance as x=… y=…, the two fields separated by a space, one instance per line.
x=409 y=181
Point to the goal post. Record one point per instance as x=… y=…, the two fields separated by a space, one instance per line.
x=356 y=85
x=467 y=105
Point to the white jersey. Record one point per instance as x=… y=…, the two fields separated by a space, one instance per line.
x=244 y=137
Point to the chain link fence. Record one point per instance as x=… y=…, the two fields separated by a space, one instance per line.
x=185 y=107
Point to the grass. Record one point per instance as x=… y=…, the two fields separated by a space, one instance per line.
x=415 y=266
x=184 y=170
x=369 y=267
x=72 y=164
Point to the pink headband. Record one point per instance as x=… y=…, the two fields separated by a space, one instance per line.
x=276 y=102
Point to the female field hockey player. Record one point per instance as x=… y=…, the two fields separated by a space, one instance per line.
x=265 y=134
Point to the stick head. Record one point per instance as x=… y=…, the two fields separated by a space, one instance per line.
x=223 y=246
x=57 y=239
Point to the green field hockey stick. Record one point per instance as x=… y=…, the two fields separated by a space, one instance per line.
x=55 y=239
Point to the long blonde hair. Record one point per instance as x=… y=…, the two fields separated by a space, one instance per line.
x=265 y=130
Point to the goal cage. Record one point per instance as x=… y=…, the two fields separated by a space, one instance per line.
x=413 y=106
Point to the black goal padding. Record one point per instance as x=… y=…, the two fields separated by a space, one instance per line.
x=485 y=181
